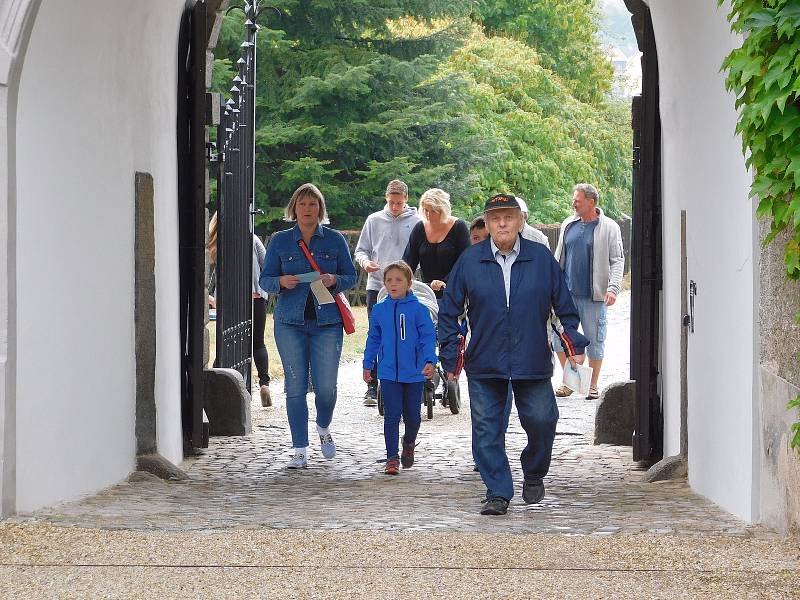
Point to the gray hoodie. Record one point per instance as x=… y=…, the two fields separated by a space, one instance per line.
x=383 y=239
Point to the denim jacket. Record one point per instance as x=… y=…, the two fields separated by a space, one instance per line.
x=284 y=257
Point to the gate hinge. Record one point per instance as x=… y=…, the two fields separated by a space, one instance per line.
x=211 y=152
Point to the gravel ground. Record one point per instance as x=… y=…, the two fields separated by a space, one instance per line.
x=43 y=561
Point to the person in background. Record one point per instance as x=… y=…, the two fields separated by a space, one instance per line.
x=260 y=297
x=590 y=252
x=308 y=333
x=437 y=242
x=383 y=239
x=529 y=232
x=477 y=230
x=403 y=341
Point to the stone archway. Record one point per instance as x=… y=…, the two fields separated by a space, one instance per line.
x=147 y=135
x=16 y=23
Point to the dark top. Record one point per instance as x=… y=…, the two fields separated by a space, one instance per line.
x=436 y=260
x=578 y=246
x=310 y=313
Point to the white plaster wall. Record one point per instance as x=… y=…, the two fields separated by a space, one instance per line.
x=97 y=103
x=704 y=173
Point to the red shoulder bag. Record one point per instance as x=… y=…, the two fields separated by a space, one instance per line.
x=348 y=319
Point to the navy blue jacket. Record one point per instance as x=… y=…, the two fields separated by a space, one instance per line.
x=402 y=336
x=284 y=257
x=507 y=342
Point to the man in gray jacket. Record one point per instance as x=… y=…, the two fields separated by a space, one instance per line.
x=590 y=252
x=382 y=241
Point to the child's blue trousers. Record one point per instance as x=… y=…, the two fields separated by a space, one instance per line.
x=400 y=399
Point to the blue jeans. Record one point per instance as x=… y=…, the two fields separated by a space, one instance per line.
x=538 y=414
x=593 y=324
x=405 y=399
x=299 y=346
x=506 y=416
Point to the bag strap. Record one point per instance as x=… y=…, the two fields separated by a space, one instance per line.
x=310 y=258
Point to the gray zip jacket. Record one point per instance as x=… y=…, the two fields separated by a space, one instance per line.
x=608 y=257
x=383 y=239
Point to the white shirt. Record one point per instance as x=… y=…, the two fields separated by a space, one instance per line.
x=505 y=262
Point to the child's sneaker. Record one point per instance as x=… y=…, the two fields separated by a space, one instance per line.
x=407 y=456
x=392 y=467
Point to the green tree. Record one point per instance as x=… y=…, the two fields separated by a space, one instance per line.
x=540 y=139
x=347 y=99
x=563 y=32
x=350 y=99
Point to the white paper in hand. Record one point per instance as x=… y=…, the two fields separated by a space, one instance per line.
x=578 y=380
x=321 y=293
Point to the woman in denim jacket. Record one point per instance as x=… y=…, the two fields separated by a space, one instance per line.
x=308 y=333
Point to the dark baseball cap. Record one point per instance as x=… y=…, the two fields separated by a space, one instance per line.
x=501 y=201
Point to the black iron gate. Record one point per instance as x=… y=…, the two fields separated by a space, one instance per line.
x=235 y=207
x=646 y=266
x=192 y=195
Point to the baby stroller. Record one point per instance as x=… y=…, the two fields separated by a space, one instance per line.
x=448 y=392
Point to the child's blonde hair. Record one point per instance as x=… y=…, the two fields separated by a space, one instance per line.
x=402 y=266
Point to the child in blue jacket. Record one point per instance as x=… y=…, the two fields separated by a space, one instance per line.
x=402 y=337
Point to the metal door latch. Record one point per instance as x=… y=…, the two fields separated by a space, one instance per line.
x=688 y=320
x=211 y=152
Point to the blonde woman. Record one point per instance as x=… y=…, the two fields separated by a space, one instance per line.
x=436 y=243
x=308 y=333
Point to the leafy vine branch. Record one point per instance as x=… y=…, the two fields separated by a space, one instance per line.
x=764 y=73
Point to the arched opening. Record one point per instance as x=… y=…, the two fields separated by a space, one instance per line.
x=89 y=118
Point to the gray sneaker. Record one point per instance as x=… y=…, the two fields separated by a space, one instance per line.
x=371 y=397
x=327 y=445
x=298 y=461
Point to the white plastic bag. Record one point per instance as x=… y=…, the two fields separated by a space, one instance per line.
x=578 y=380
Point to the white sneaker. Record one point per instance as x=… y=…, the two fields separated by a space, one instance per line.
x=298 y=461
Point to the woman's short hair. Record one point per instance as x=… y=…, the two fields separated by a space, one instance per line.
x=438 y=200
x=402 y=266
x=306 y=190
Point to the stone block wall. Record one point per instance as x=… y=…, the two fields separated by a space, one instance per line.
x=779 y=382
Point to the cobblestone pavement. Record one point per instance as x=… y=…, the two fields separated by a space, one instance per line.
x=241 y=482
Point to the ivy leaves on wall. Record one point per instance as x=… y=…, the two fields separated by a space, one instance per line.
x=764 y=73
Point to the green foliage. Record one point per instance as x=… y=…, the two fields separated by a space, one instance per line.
x=795 y=404
x=347 y=99
x=764 y=73
x=564 y=34
x=540 y=139
x=353 y=94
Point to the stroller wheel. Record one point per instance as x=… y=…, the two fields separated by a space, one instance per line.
x=453 y=397
x=380 y=400
x=429 y=400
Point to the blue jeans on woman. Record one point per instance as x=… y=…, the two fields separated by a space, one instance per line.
x=299 y=346
x=538 y=415
x=400 y=399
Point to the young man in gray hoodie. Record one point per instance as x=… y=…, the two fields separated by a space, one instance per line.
x=382 y=241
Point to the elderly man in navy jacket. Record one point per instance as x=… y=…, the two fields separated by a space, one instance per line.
x=510 y=285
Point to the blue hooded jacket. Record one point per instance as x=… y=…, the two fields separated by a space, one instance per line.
x=402 y=337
